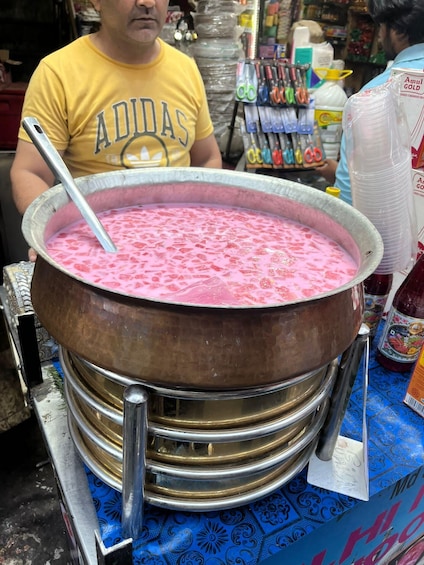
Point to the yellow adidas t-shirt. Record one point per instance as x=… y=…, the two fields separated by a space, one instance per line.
x=109 y=115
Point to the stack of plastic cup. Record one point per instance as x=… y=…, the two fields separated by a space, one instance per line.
x=379 y=159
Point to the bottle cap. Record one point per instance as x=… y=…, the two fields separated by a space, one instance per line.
x=333 y=191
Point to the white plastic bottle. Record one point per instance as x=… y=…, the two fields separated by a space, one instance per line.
x=330 y=99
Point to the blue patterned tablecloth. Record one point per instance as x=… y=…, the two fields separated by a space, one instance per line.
x=252 y=533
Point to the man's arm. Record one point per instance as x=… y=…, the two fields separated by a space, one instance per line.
x=30 y=175
x=342 y=175
x=206 y=153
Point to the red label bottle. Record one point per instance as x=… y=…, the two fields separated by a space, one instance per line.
x=403 y=335
x=376 y=290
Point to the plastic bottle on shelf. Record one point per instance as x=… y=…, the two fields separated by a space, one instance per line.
x=376 y=291
x=403 y=335
x=330 y=99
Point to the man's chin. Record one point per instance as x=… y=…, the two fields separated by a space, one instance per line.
x=145 y=36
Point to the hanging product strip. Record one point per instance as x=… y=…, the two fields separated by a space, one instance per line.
x=279 y=130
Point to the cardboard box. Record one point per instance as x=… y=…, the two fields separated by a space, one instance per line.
x=412 y=100
x=415 y=393
x=418 y=185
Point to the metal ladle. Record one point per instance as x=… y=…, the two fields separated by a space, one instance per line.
x=58 y=167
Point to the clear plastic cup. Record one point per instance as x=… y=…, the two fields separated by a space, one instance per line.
x=375 y=154
x=375 y=129
x=382 y=189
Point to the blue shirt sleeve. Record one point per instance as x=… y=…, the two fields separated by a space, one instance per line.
x=342 y=175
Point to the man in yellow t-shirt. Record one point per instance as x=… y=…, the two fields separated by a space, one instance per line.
x=118 y=98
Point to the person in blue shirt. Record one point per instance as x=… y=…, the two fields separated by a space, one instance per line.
x=401 y=34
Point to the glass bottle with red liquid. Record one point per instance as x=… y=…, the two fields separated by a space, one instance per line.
x=403 y=335
x=376 y=290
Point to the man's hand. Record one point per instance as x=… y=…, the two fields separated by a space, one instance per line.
x=328 y=170
x=32 y=254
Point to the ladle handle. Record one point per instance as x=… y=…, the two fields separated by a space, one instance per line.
x=58 y=167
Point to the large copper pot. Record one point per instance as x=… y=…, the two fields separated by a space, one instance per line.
x=193 y=346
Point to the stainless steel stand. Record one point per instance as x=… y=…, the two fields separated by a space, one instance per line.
x=134 y=460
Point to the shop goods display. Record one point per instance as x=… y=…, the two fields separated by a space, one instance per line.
x=217 y=51
x=284 y=20
x=403 y=336
x=329 y=100
x=172 y=23
x=279 y=131
x=378 y=150
x=184 y=34
x=360 y=39
x=219 y=381
x=331 y=16
x=271 y=22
